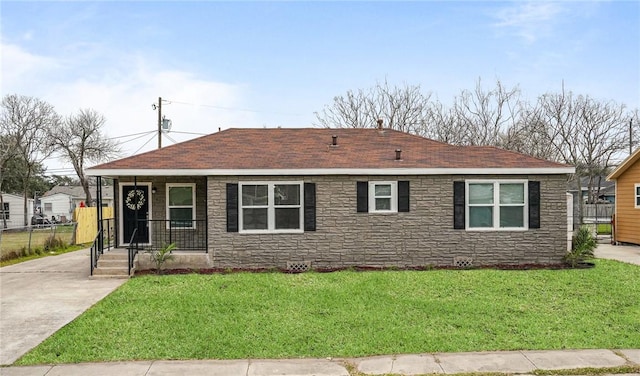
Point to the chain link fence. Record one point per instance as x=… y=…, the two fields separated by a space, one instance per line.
x=29 y=240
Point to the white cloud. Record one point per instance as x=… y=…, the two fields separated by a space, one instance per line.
x=19 y=66
x=123 y=89
x=529 y=20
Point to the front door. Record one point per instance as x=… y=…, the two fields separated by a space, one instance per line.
x=135 y=211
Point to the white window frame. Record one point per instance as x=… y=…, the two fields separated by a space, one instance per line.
x=193 y=206
x=271 y=208
x=636 y=195
x=393 y=197
x=496 y=205
x=5 y=212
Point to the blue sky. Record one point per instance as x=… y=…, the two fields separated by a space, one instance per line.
x=257 y=64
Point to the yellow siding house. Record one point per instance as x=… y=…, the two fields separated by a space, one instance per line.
x=627 y=220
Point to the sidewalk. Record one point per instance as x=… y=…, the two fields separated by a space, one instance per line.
x=625 y=253
x=419 y=364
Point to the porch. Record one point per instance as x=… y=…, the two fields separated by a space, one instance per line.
x=111 y=260
x=149 y=215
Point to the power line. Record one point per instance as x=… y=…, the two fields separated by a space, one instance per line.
x=145 y=144
x=170 y=138
x=197 y=134
x=130 y=135
x=139 y=137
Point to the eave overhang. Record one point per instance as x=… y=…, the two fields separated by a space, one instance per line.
x=331 y=171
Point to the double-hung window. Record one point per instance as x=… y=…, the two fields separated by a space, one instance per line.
x=496 y=205
x=271 y=207
x=383 y=196
x=5 y=211
x=181 y=205
x=636 y=196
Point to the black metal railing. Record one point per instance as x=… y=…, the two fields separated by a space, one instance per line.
x=104 y=240
x=132 y=249
x=96 y=251
x=188 y=235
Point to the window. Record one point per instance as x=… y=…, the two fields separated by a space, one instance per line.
x=4 y=213
x=48 y=206
x=636 y=196
x=271 y=207
x=383 y=197
x=496 y=205
x=181 y=205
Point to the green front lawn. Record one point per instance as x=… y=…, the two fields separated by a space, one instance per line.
x=349 y=314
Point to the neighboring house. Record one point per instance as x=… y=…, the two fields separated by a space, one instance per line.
x=604 y=190
x=12 y=210
x=61 y=200
x=627 y=179
x=598 y=202
x=331 y=198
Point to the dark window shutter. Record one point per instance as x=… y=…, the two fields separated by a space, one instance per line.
x=309 y=206
x=232 y=207
x=403 y=196
x=363 y=196
x=458 y=205
x=534 y=204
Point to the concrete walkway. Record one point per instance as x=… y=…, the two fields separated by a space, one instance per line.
x=38 y=297
x=419 y=364
x=625 y=253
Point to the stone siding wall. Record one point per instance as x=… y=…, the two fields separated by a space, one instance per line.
x=423 y=236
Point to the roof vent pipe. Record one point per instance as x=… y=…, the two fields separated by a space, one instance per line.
x=334 y=140
x=380 y=121
x=398 y=154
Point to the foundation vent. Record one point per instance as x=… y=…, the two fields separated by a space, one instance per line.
x=462 y=262
x=298 y=266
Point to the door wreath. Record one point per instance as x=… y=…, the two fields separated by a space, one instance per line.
x=135 y=199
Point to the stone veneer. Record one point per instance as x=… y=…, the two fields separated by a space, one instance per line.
x=421 y=237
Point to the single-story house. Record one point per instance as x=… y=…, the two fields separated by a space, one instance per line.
x=330 y=198
x=627 y=212
x=61 y=200
x=12 y=210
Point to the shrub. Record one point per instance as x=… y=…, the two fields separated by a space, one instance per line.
x=583 y=245
x=53 y=243
x=160 y=255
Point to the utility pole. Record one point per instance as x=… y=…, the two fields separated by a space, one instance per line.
x=159 y=122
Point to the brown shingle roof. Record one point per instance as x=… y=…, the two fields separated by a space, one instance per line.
x=310 y=148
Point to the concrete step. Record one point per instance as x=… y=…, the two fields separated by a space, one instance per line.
x=110 y=262
x=110 y=270
x=105 y=276
x=114 y=256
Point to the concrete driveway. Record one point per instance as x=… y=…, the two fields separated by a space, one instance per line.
x=38 y=297
x=625 y=253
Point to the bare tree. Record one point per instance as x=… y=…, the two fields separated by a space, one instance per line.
x=483 y=116
x=79 y=139
x=27 y=121
x=405 y=108
x=530 y=135
x=584 y=132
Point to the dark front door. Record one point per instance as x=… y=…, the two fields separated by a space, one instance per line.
x=135 y=212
